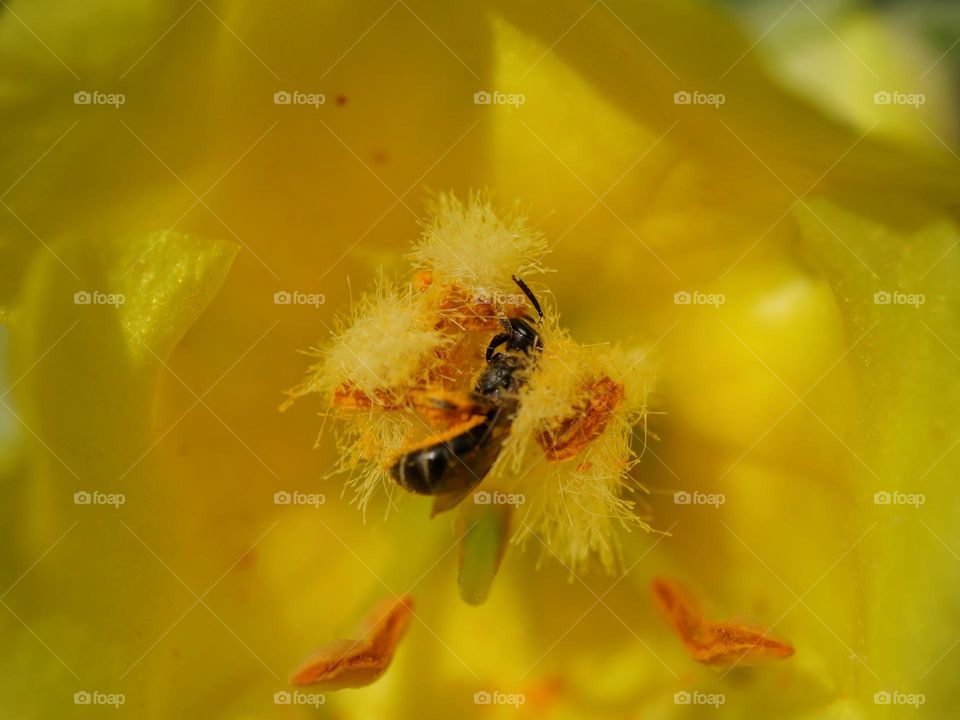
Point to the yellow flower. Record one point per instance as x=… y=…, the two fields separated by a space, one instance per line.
x=169 y=538
x=555 y=418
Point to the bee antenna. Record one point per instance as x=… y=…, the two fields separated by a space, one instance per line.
x=530 y=296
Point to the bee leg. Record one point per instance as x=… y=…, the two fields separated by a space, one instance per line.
x=499 y=339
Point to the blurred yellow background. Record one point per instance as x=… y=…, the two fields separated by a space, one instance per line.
x=179 y=155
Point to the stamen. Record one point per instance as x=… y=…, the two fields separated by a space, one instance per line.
x=355 y=663
x=714 y=643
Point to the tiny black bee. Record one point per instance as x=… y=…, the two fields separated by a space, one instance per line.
x=448 y=466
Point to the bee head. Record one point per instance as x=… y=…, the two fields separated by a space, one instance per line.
x=519 y=333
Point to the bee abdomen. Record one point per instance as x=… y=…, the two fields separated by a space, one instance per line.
x=434 y=469
x=421 y=470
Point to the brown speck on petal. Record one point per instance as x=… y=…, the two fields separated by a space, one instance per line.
x=714 y=643
x=355 y=663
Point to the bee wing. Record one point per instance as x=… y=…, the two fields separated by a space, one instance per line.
x=442 y=503
x=475 y=465
x=444 y=407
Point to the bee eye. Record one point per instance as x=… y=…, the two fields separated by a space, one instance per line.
x=520 y=327
x=527 y=334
